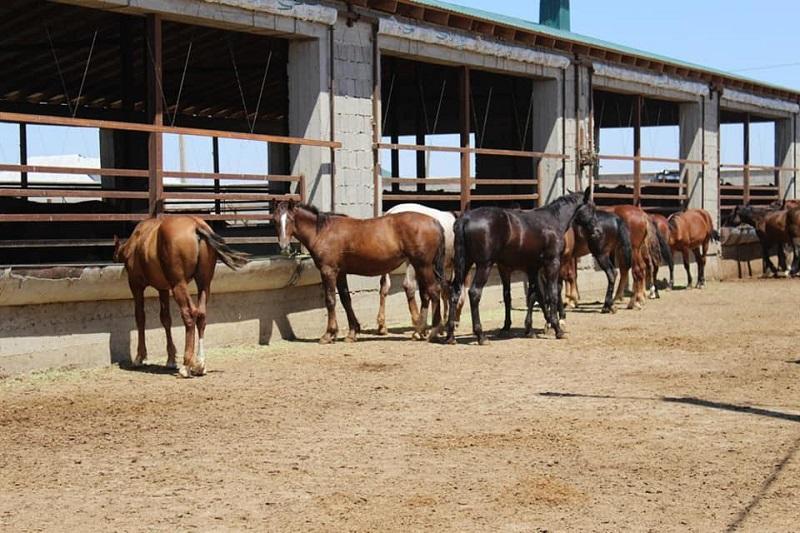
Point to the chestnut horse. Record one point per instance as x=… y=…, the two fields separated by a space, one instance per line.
x=528 y=240
x=167 y=253
x=613 y=246
x=341 y=245
x=446 y=219
x=692 y=230
x=773 y=227
x=638 y=224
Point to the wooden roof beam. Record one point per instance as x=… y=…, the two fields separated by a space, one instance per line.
x=436 y=17
x=389 y=6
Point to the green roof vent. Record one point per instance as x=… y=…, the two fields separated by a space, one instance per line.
x=554 y=13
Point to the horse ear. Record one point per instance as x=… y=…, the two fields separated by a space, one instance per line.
x=292 y=204
x=587 y=195
x=116 y=242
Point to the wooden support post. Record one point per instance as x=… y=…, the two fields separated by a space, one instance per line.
x=637 y=150
x=746 y=159
x=377 y=179
x=395 y=163
x=215 y=160
x=464 y=108
x=23 y=154
x=421 y=128
x=155 y=111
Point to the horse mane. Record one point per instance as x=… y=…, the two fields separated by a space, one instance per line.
x=561 y=201
x=323 y=217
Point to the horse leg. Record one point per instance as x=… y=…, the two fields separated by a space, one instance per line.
x=782 y=257
x=505 y=278
x=386 y=284
x=795 y=257
x=329 y=276
x=419 y=315
x=166 y=321
x=700 y=257
x=138 y=307
x=188 y=314
x=354 y=328
x=533 y=295
x=462 y=295
x=611 y=274
x=685 y=255
x=767 y=261
x=203 y=289
x=430 y=293
x=475 y=291
x=638 y=272
x=623 y=284
x=549 y=288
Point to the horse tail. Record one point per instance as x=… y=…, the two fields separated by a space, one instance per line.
x=663 y=245
x=624 y=235
x=459 y=252
x=229 y=256
x=714 y=235
x=438 y=262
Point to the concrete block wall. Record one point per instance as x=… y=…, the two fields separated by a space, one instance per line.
x=710 y=199
x=353 y=85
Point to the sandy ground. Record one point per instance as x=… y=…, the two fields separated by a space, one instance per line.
x=683 y=417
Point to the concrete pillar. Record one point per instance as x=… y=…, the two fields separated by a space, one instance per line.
x=710 y=202
x=309 y=114
x=548 y=124
x=352 y=65
x=577 y=134
x=691 y=147
x=785 y=155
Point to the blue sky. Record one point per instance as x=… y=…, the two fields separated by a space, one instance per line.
x=755 y=39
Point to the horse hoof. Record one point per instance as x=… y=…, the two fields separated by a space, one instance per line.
x=350 y=338
x=184 y=372
x=562 y=323
x=199 y=370
x=529 y=334
x=450 y=340
x=561 y=334
x=483 y=341
x=609 y=310
x=504 y=332
x=171 y=364
x=327 y=339
x=382 y=331
x=138 y=361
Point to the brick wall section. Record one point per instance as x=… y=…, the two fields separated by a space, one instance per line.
x=352 y=56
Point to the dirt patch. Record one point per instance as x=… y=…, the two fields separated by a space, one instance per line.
x=681 y=417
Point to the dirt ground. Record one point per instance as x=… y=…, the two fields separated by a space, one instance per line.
x=682 y=417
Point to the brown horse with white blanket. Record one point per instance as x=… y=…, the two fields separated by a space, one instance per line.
x=167 y=253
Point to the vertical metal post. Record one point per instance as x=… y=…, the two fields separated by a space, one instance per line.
x=23 y=154
x=421 y=127
x=637 y=150
x=464 y=109
x=377 y=181
x=746 y=158
x=332 y=107
x=155 y=111
x=395 y=161
x=215 y=159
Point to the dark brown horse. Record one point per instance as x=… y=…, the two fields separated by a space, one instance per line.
x=341 y=245
x=692 y=230
x=638 y=225
x=662 y=226
x=613 y=246
x=528 y=240
x=774 y=227
x=167 y=253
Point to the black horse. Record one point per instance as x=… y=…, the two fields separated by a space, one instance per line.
x=528 y=240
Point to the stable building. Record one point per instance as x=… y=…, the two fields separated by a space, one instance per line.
x=355 y=106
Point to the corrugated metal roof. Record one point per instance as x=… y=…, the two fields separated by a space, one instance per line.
x=585 y=40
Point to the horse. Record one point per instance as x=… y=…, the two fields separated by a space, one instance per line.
x=639 y=227
x=773 y=227
x=657 y=248
x=692 y=229
x=529 y=240
x=662 y=226
x=167 y=253
x=340 y=245
x=612 y=246
x=446 y=219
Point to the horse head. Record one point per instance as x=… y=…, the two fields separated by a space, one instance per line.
x=284 y=219
x=119 y=251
